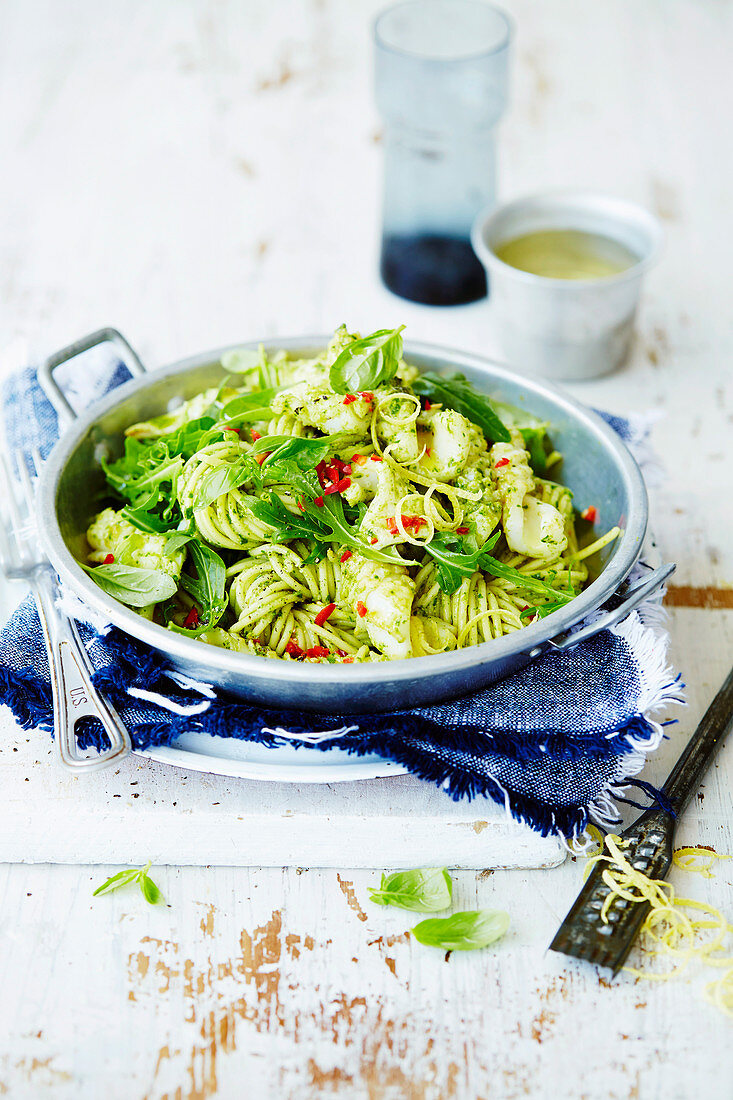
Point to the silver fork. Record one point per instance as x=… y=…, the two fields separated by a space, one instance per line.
x=74 y=695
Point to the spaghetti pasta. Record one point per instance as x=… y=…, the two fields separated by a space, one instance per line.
x=326 y=510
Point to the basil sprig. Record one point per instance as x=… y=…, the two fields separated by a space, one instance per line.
x=149 y=890
x=368 y=362
x=132 y=585
x=456 y=392
x=463 y=931
x=422 y=891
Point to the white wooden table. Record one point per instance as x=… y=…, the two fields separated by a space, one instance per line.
x=203 y=173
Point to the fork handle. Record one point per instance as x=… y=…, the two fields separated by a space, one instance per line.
x=708 y=737
x=74 y=694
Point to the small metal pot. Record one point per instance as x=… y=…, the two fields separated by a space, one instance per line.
x=597 y=467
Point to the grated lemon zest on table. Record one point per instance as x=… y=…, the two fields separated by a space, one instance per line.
x=687 y=860
x=669 y=926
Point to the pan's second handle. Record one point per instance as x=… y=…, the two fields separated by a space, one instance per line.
x=631 y=599
x=703 y=745
x=46 y=370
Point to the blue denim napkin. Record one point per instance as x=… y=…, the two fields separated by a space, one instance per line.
x=556 y=743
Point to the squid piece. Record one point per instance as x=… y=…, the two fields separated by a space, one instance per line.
x=380 y=597
x=531 y=526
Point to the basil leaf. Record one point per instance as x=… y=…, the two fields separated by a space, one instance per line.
x=175 y=541
x=305 y=453
x=463 y=931
x=131 y=585
x=245 y=402
x=207 y=587
x=368 y=362
x=122 y=878
x=456 y=392
x=219 y=480
x=422 y=891
x=150 y=891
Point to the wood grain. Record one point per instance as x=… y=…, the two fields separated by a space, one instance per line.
x=713 y=599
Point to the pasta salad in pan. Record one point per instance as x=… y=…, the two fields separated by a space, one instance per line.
x=343 y=508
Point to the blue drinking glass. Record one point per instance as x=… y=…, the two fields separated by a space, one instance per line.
x=441 y=87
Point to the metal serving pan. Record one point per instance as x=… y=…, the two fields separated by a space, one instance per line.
x=596 y=466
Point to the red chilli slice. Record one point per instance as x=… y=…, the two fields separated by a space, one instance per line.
x=192 y=619
x=261 y=458
x=376 y=458
x=294 y=649
x=109 y=559
x=317 y=651
x=591 y=514
x=348 y=661
x=500 y=463
x=346 y=555
x=318 y=501
x=255 y=436
x=462 y=530
x=367 y=395
x=324 y=613
x=236 y=430
x=361 y=608
x=349 y=399
x=428 y=405
x=374 y=540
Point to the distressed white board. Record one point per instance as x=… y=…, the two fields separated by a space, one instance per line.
x=207 y=172
x=146 y=810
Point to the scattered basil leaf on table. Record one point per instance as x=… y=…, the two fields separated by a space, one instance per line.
x=368 y=362
x=463 y=931
x=122 y=878
x=132 y=585
x=423 y=891
x=456 y=392
x=149 y=890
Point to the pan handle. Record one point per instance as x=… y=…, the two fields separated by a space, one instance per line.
x=46 y=370
x=630 y=600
